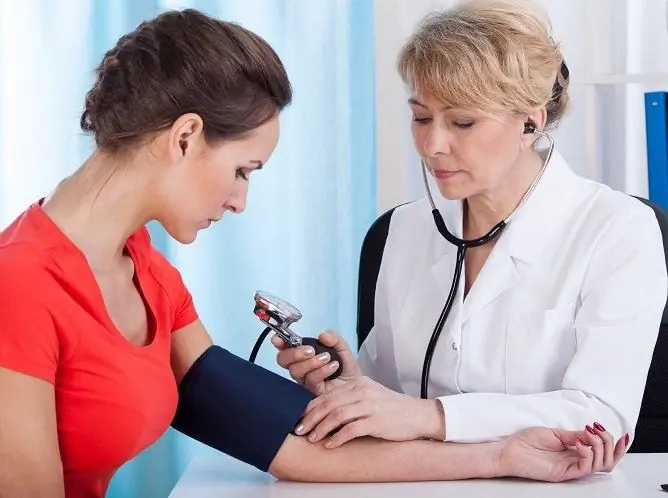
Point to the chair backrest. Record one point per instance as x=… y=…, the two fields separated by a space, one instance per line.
x=652 y=430
x=370 y=257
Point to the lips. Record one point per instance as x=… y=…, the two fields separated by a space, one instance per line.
x=442 y=174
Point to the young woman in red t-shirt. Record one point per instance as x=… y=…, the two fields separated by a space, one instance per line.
x=98 y=333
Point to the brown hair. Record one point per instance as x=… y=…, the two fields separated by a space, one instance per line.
x=493 y=55
x=182 y=62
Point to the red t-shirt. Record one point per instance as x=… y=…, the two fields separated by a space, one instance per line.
x=113 y=398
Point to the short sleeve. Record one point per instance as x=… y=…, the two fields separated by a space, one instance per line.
x=184 y=305
x=28 y=338
x=170 y=278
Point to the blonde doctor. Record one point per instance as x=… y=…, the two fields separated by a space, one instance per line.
x=554 y=321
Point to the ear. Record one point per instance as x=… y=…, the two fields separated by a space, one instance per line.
x=534 y=121
x=184 y=135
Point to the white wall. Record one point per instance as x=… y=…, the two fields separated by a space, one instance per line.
x=603 y=135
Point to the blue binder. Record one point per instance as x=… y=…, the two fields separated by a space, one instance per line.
x=656 y=125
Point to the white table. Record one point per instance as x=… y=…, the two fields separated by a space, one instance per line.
x=636 y=476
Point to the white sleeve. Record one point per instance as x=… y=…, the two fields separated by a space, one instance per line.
x=376 y=356
x=623 y=296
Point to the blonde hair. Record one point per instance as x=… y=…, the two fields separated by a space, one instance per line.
x=491 y=55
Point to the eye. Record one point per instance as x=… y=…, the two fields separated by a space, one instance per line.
x=463 y=125
x=421 y=120
x=241 y=174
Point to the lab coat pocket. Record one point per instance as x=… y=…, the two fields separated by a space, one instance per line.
x=540 y=344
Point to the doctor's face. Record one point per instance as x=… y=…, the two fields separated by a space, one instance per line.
x=468 y=152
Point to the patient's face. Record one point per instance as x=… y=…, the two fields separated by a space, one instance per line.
x=213 y=180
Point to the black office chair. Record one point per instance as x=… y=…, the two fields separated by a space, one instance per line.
x=652 y=430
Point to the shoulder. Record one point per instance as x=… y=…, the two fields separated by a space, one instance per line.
x=606 y=210
x=620 y=235
x=24 y=274
x=27 y=302
x=412 y=227
x=27 y=263
x=412 y=218
x=409 y=237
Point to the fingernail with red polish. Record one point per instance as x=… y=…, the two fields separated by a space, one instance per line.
x=582 y=442
x=590 y=430
x=599 y=427
x=626 y=440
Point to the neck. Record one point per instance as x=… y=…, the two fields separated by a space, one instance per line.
x=483 y=211
x=100 y=206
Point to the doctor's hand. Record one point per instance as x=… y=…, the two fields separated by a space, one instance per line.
x=310 y=370
x=559 y=455
x=362 y=407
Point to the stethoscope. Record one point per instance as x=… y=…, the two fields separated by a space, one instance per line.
x=463 y=246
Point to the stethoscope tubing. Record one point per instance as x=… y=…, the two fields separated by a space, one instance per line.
x=462 y=247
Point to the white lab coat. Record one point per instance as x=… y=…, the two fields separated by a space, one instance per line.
x=558 y=329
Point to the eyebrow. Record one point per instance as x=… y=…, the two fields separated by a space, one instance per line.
x=416 y=102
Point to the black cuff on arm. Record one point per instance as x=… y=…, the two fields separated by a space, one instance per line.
x=237 y=407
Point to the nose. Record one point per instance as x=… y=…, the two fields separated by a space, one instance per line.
x=237 y=200
x=437 y=140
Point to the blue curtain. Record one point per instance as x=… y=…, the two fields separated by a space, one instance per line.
x=308 y=210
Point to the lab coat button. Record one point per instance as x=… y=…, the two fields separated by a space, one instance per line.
x=454 y=346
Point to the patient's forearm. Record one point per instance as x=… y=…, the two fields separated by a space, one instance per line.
x=375 y=460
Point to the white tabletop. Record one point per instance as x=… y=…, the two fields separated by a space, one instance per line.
x=636 y=476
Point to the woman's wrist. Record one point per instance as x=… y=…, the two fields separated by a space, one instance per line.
x=494 y=465
x=481 y=460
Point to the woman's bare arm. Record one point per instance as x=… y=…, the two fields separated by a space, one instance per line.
x=375 y=460
x=362 y=460
x=535 y=453
x=30 y=465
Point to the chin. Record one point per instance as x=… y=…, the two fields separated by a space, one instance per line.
x=453 y=194
x=189 y=239
x=181 y=235
x=456 y=191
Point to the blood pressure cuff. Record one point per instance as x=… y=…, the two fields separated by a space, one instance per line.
x=237 y=407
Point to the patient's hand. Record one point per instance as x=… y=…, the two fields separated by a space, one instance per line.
x=311 y=371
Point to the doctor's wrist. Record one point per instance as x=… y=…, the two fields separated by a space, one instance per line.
x=433 y=419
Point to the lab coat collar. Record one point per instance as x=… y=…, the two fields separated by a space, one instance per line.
x=521 y=242
x=522 y=237
x=542 y=214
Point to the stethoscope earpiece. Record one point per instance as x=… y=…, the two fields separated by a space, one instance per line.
x=529 y=128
